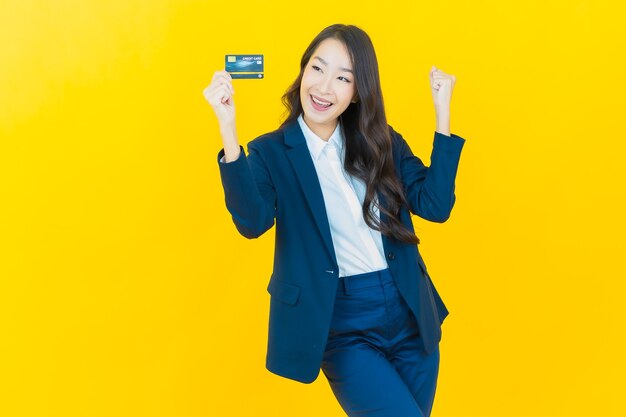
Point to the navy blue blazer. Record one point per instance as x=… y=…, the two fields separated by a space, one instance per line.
x=277 y=182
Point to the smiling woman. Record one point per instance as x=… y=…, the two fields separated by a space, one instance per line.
x=350 y=293
x=327 y=88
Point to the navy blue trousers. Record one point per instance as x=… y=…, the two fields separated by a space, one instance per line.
x=373 y=360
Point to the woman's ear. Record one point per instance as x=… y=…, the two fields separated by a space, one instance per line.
x=355 y=99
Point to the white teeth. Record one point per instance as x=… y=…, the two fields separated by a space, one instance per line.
x=321 y=103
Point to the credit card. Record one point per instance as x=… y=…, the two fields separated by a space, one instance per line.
x=238 y=75
x=245 y=66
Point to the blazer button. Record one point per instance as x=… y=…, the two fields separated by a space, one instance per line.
x=391 y=256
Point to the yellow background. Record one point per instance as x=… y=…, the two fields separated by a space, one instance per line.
x=126 y=291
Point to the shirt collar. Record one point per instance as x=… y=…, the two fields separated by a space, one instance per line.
x=316 y=144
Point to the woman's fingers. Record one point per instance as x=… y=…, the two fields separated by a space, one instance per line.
x=438 y=78
x=220 y=83
x=218 y=94
x=224 y=78
x=221 y=74
x=220 y=90
x=442 y=85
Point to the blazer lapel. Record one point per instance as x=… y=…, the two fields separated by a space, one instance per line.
x=302 y=164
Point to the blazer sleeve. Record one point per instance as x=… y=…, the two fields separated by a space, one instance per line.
x=249 y=192
x=430 y=190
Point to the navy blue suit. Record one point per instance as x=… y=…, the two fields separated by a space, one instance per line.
x=277 y=182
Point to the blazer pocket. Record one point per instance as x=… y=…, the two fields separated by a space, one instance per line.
x=435 y=298
x=422 y=266
x=287 y=293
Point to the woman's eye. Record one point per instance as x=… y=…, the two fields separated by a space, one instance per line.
x=344 y=79
x=316 y=68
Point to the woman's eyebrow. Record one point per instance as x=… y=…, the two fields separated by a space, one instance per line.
x=326 y=63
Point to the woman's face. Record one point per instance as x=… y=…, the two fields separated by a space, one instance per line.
x=327 y=87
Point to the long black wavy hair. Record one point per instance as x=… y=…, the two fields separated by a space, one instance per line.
x=367 y=135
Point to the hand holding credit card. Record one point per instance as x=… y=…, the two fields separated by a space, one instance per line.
x=245 y=66
x=219 y=93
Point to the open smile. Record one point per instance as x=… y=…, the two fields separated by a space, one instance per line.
x=319 y=104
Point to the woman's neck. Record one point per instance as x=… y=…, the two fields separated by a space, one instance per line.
x=323 y=130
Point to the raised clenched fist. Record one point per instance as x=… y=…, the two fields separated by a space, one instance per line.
x=441 y=85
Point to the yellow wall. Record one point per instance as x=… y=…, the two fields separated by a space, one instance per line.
x=126 y=291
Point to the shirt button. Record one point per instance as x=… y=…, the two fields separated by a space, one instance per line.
x=391 y=256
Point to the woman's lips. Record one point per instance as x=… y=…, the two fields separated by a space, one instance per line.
x=319 y=107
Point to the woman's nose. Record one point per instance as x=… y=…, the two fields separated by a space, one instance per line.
x=325 y=84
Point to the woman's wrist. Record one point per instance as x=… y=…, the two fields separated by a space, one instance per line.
x=231 y=144
x=443 y=124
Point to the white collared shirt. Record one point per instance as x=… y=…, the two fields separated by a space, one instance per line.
x=358 y=247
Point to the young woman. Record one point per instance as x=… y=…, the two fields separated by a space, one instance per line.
x=350 y=293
